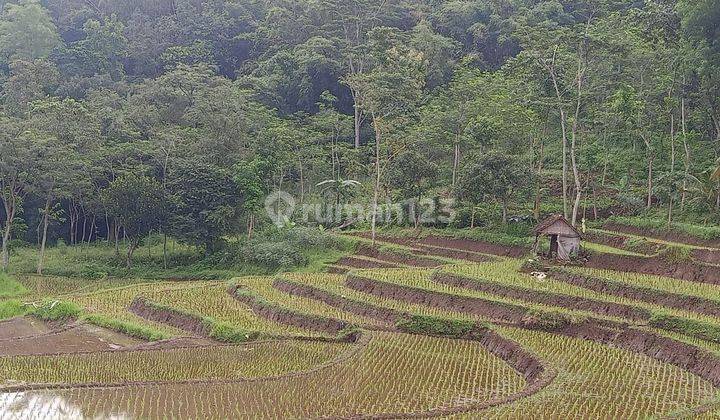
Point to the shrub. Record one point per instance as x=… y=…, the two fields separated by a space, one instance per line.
x=9 y=287
x=677 y=254
x=12 y=308
x=273 y=254
x=53 y=310
x=127 y=328
x=228 y=334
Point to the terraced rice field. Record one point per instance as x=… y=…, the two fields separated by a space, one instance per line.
x=394 y=333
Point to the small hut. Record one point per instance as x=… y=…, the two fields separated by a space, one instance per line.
x=564 y=238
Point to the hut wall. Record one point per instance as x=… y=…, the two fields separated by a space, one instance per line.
x=568 y=246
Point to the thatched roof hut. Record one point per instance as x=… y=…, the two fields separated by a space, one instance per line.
x=564 y=237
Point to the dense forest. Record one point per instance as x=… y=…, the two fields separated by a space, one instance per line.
x=122 y=118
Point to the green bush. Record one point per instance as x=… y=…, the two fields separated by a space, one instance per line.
x=229 y=334
x=273 y=255
x=12 y=308
x=127 y=328
x=677 y=254
x=9 y=287
x=689 y=327
x=53 y=310
x=427 y=325
x=701 y=232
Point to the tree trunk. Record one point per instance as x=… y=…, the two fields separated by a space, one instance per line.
x=563 y=127
x=358 y=121
x=9 y=218
x=456 y=161
x=116 y=229
x=538 y=183
x=376 y=189
x=504 y=212
x=43 y=244
x=165 y=253
x=687 y=153
x=650 y=182
x=132 y=246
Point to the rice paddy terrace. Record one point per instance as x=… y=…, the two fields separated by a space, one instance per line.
x=411 y=327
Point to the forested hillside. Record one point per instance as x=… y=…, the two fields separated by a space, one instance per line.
x=126 y=117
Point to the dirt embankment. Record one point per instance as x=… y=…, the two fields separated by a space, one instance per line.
x=485 y=308
x=360 y=263
x=545 y=298
x=624 y=242
x=464 y=249
x=476 y=246
x=656 y=297
x=396 y=257
x=662 y=235
x=285 y=316
x=686 y=270
x=509 y=351
x=709 y=256
x=454 y=254
x=183 y=321
x=384 y=315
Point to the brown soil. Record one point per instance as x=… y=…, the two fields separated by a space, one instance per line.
x=476 y=246
x=485 y=308
x=454 y=254
x=384 y=315
x=545 y=298
x=662 y=235
x=420 y=247
x=615 y=288
x=285 y=316
x=686 y=270
x=186 y=322
x=22 y=327
x=336 y=269
x=360 y=263
x=396 y=257
x=79 y=338
x=708 y=256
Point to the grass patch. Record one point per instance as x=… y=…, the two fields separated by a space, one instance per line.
x=697 y=231
x=53 y=310
x=692 y=328
x=227 y=333
x=12 y=308
x=127 y=328
x=9 y=287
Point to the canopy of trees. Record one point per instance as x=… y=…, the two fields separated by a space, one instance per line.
x=202 y=107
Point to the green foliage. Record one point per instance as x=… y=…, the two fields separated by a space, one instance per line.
x=677 y=254
x=701 y=232
x=427 y=325
x=26 y=31
x=128 y=328
x=205 y=201
x=689 y=327
x=12 y=308
x=229 y=334
x=9 y=287
x=53 y=310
